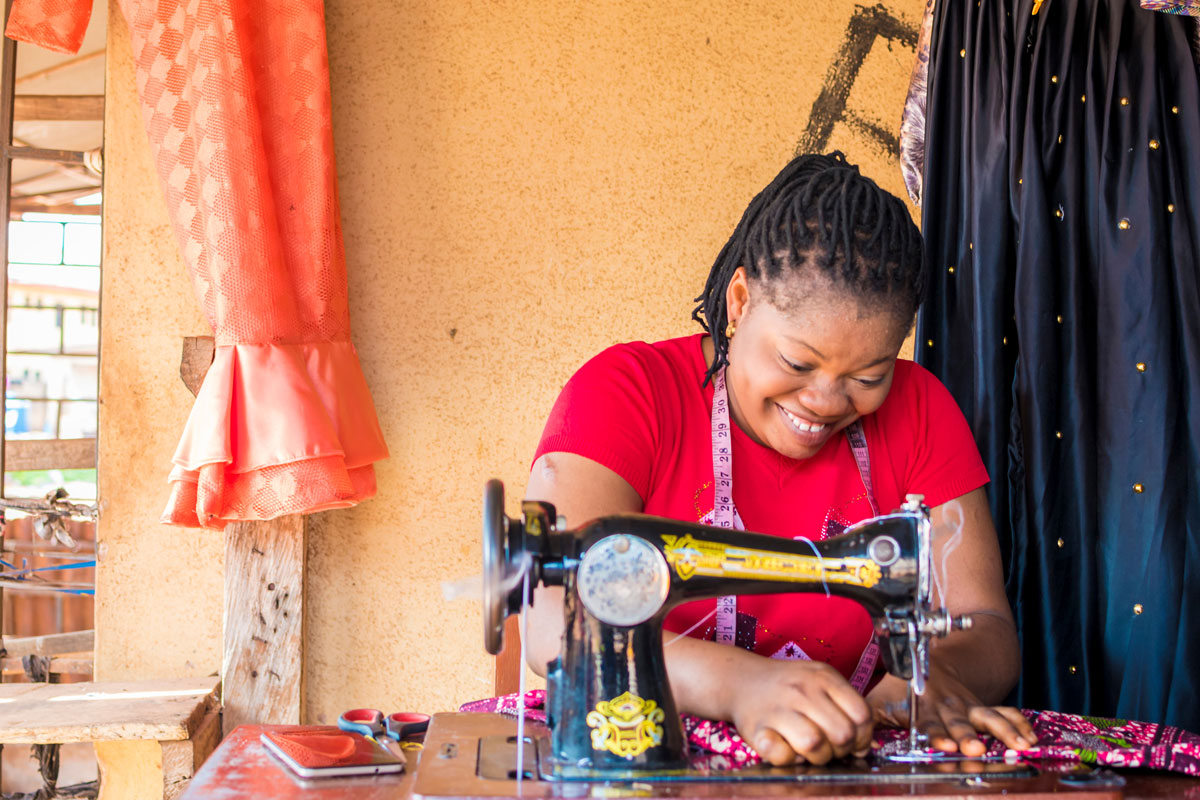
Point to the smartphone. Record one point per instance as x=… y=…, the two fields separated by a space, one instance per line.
x=331 y=753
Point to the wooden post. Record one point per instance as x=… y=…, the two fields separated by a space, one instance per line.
x=262 y=661
x=263 y=623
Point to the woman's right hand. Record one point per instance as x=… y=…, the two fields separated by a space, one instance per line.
x=791 y=711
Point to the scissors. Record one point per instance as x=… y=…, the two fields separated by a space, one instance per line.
x=371 y=722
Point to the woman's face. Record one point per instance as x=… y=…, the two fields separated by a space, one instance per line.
x=805 y=364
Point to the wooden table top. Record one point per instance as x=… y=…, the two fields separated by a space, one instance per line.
x=241 y=767
x=46 y=713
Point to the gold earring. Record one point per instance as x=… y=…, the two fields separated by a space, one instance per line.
x=730 y=330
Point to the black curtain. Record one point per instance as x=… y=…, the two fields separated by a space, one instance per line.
x=1062 y=221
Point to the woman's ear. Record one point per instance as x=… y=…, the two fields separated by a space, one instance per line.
x=737 y=296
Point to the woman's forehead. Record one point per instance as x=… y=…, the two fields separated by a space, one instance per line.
x=831 y=312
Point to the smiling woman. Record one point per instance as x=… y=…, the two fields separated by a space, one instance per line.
x=793 y=416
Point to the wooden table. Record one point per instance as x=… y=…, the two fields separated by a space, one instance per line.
x=150 y=736
x=241 y=767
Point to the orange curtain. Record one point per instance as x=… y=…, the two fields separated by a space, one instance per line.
x=235 y=98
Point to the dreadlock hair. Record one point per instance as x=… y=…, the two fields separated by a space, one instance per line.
x=820 y=214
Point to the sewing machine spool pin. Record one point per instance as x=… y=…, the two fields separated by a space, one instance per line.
x=609 y=704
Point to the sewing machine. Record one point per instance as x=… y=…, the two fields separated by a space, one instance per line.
x=610 y=710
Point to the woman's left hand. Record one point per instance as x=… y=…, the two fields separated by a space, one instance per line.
x=953 y=717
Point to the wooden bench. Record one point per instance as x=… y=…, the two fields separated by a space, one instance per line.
x=150 y=736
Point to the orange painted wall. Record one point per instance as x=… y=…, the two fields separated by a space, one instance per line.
x=522 y=185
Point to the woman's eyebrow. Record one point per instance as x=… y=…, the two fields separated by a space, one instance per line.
x=819 y=354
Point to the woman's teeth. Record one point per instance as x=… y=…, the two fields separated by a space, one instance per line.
x=801 y=425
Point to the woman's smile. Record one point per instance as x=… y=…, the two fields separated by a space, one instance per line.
x=810 y=434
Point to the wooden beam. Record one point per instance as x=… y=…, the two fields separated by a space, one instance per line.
x=27 y=454
x=263 y=622
x=262 y=658
x=45 y=154
x=508 y=662
x=197 y=357
x=171 y=709
x=65 y=664
x=49 y=645
x=59 y=107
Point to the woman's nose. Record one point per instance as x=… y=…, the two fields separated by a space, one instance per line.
x=825 y=401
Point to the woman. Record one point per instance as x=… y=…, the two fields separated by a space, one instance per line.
x=806 y=309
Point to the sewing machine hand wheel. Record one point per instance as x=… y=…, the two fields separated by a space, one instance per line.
x=495 y=536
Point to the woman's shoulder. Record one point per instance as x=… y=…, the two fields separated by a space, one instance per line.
x=670 y=360
x=914 y=387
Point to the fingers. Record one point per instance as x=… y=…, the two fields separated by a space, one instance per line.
x=957 y=727
x=1007 y=724
x=951 y=729
x=833 y=721
x=793 y=737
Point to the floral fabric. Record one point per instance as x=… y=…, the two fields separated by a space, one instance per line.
x=1061 y=737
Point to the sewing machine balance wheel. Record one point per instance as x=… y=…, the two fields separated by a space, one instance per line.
x=495 y=600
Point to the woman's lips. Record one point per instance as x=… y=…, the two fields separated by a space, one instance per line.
x=808 y=433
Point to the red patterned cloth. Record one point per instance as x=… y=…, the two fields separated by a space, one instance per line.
x=1061 y=737
x=235 y=97
x=57 y=25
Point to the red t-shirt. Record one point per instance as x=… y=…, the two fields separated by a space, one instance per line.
x=640 y=410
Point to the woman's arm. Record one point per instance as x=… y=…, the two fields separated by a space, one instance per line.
x=784 y=709
x=974 y=668
x=581 y=490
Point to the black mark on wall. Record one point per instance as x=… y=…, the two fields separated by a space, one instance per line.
x=867 y=25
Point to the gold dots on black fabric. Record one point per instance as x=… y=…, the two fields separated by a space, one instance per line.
x=930 y=342
x=1141 y=366
x=1138 y=488
x=1059 y=318
x=1174 y=109
x=1060 y=138
x=1058 y=434
x=1170 y=208
x=1083 y=98
x=1071 y=669
x=962 y=53
x=1124 y=101
x=1061 y=544
x=1123 y=224
x=1154 y=144
x=950 y=269
x=1137 y=609
x=970 y=245
x=1058 y=212
x=1054 y=79
x=1004 y=340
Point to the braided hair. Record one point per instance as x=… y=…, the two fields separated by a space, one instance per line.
x=819 y=213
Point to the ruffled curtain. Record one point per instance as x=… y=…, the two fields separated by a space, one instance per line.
x=235 y=97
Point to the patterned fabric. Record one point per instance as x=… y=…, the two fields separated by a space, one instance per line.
x=57 y=25
x=1189 y=8
x=235 y=95
x=912 y=120
x=1094 y=740
x=1061 y=737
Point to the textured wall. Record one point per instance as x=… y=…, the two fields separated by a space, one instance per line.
x=158 y=589
x=522 y=184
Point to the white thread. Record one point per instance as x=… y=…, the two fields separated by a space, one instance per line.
x=521 y=677
x=941 y=578
x=820 y=560
x=703 y=620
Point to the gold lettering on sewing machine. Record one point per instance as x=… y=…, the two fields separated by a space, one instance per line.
x=689 y=556
x=626 y=725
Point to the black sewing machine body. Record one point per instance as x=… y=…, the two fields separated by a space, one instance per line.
x=609 y=702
